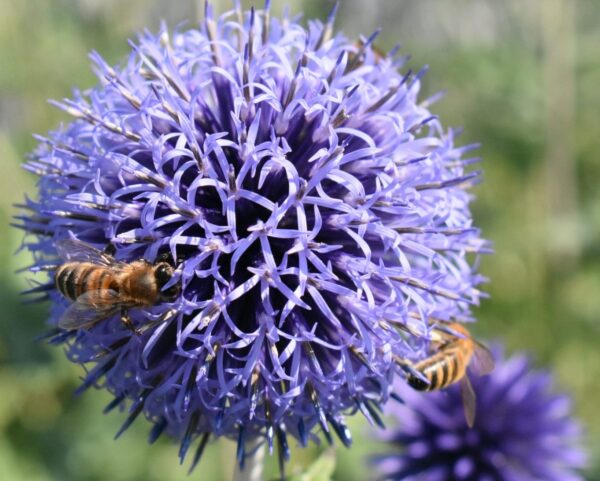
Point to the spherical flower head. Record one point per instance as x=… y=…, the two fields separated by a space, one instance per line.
x=523 y=430
x=313 y=209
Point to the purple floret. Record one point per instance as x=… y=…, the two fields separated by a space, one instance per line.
x=314 y=208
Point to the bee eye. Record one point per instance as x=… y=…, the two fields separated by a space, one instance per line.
x=162 y=274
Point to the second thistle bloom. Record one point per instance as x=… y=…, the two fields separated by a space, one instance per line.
x=313 y=206
x=523 y=431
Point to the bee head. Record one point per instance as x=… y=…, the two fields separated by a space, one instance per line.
x=163 y=272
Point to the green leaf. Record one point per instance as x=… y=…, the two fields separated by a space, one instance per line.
x=321 y=470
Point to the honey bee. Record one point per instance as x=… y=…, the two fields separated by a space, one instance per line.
x=453 y=354
x=356 y=59
x=100 y=286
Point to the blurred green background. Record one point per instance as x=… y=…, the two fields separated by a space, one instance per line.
x=522 y=78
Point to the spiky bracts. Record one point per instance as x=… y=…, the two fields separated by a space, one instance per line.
x=314 y=207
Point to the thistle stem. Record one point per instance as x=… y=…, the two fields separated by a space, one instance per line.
x=253 y=462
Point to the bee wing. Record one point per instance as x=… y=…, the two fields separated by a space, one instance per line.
x=72 y=250
x=469 y=400
x=482 y=362
x=90 y=308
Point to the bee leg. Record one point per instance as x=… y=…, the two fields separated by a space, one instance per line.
x=125 y=319
x=164 y=257
x=110 y=250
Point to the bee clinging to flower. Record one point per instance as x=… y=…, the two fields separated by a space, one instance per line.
x=100 y=286
x=453 y=351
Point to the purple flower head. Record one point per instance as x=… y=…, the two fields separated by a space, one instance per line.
x=523 y=431
x=312 y=205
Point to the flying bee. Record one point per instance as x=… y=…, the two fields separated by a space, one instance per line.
x=100 y=286
x=452 y=355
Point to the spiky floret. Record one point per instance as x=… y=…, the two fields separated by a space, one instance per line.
x=523 y=431
x=313 y=205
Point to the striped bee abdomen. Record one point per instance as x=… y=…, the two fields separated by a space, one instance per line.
x=74 y=278
x=441 y=369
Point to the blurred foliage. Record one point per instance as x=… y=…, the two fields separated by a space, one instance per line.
x=521 y=78
x=320 y=470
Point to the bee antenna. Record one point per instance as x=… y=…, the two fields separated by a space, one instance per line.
x=166 y=257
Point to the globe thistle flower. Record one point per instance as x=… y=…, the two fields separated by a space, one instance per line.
x=315 y=211
x=523 y=430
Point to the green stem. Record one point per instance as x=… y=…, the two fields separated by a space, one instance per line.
x=253 y=462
